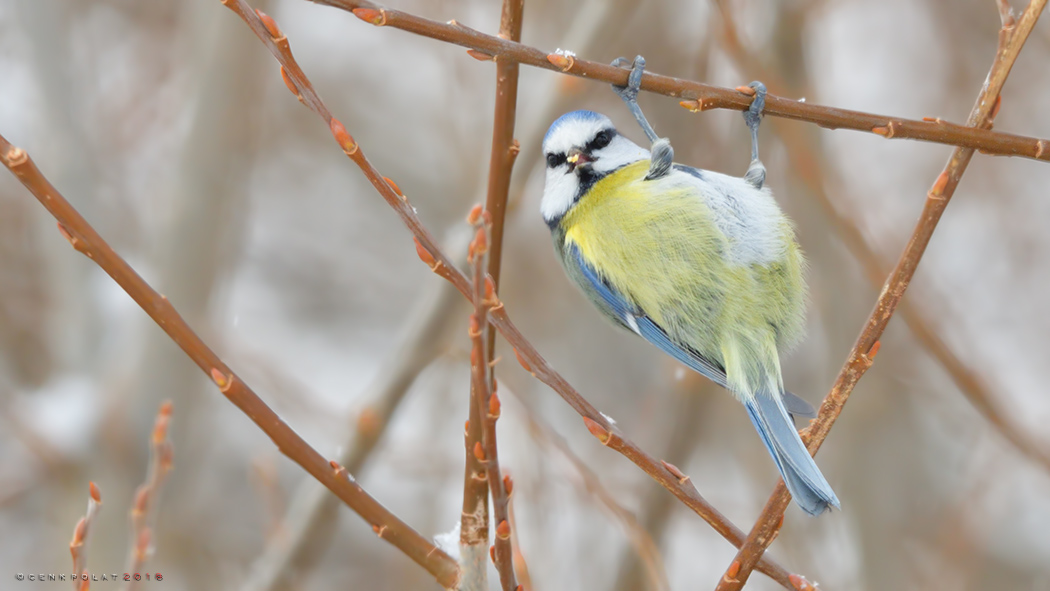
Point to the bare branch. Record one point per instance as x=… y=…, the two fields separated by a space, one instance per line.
x=78 y=545
x=1011 y=40
x=807 y=165
x=701 y=97
x=83 y=237
x=144 y=508
x=431 y=254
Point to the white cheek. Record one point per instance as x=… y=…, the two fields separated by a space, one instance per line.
x=620 y=152
x=559 y=191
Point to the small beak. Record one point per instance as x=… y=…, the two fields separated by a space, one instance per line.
x=577 y=158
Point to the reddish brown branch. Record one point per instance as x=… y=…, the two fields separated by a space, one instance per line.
x=78 y=545
x=1011 y=39
x=501 y=162
x=504 y=147
x=431 y=254
x=700 y=96
x=86 y=240
x=484 y=396
x=474 y=528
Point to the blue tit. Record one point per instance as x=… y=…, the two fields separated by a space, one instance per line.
x=703 y=265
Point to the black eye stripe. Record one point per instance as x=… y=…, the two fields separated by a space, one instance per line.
x=555 y=160
x=601 y=140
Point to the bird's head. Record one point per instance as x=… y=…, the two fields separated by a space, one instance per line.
x=580 y=148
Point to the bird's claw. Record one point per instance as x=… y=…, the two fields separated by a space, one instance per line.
x=756 y=172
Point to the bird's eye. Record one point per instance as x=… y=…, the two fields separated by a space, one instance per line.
x=555 y=160
x=601 y=140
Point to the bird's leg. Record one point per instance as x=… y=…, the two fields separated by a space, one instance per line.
x=661 y=154
x=756 y=172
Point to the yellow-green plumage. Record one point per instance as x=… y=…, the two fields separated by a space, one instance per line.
x=658 y=244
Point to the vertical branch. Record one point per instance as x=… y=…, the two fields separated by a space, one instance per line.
x=504 y=148
x=1012 y=37
x=487 y=401
x=474 y=527
x=78 y=545
x=144 y=509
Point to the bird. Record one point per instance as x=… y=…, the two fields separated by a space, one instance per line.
x=701 y=264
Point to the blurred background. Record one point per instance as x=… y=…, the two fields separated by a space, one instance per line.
x=168 y=126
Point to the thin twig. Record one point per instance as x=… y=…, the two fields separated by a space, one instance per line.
x=78 y=545
x=504 y=147
x=143 y=512
x=483 y=394
x=1011 y=39
x=474 y=522
x=85 y=239
x=431 y=254
x=490 y=240
x=701 y=97
x=807 y=165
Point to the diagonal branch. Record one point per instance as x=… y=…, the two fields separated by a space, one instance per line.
x=1012 y=37
x=86 y=240
x=700 y=96
x=426 y=246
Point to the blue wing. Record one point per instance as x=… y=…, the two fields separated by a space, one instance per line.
x=635 y=319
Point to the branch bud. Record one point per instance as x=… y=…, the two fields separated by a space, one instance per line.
x=874 y=350
x=424 y=254
x=480 y=56
x=939 y=184
x=597 y=430
x=394 y=186
x=490 y=291
x=681 y=476
x=95 y=494
x=343 y=138
x=481 y=242
x=562 y=62
x=693 y=105
x=732 y=572
x=221 y=380
x=141 y=500
x=291 y=85
x=494 y=406
x=503 y=530
x=521 y=360
x=79 y=532
x=371 y=16
x=479 y=452
x=800 y=583
x=270 y=24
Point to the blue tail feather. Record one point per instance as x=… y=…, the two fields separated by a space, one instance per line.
x=801 y=474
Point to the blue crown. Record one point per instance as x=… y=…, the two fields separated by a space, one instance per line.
x=571 y=116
